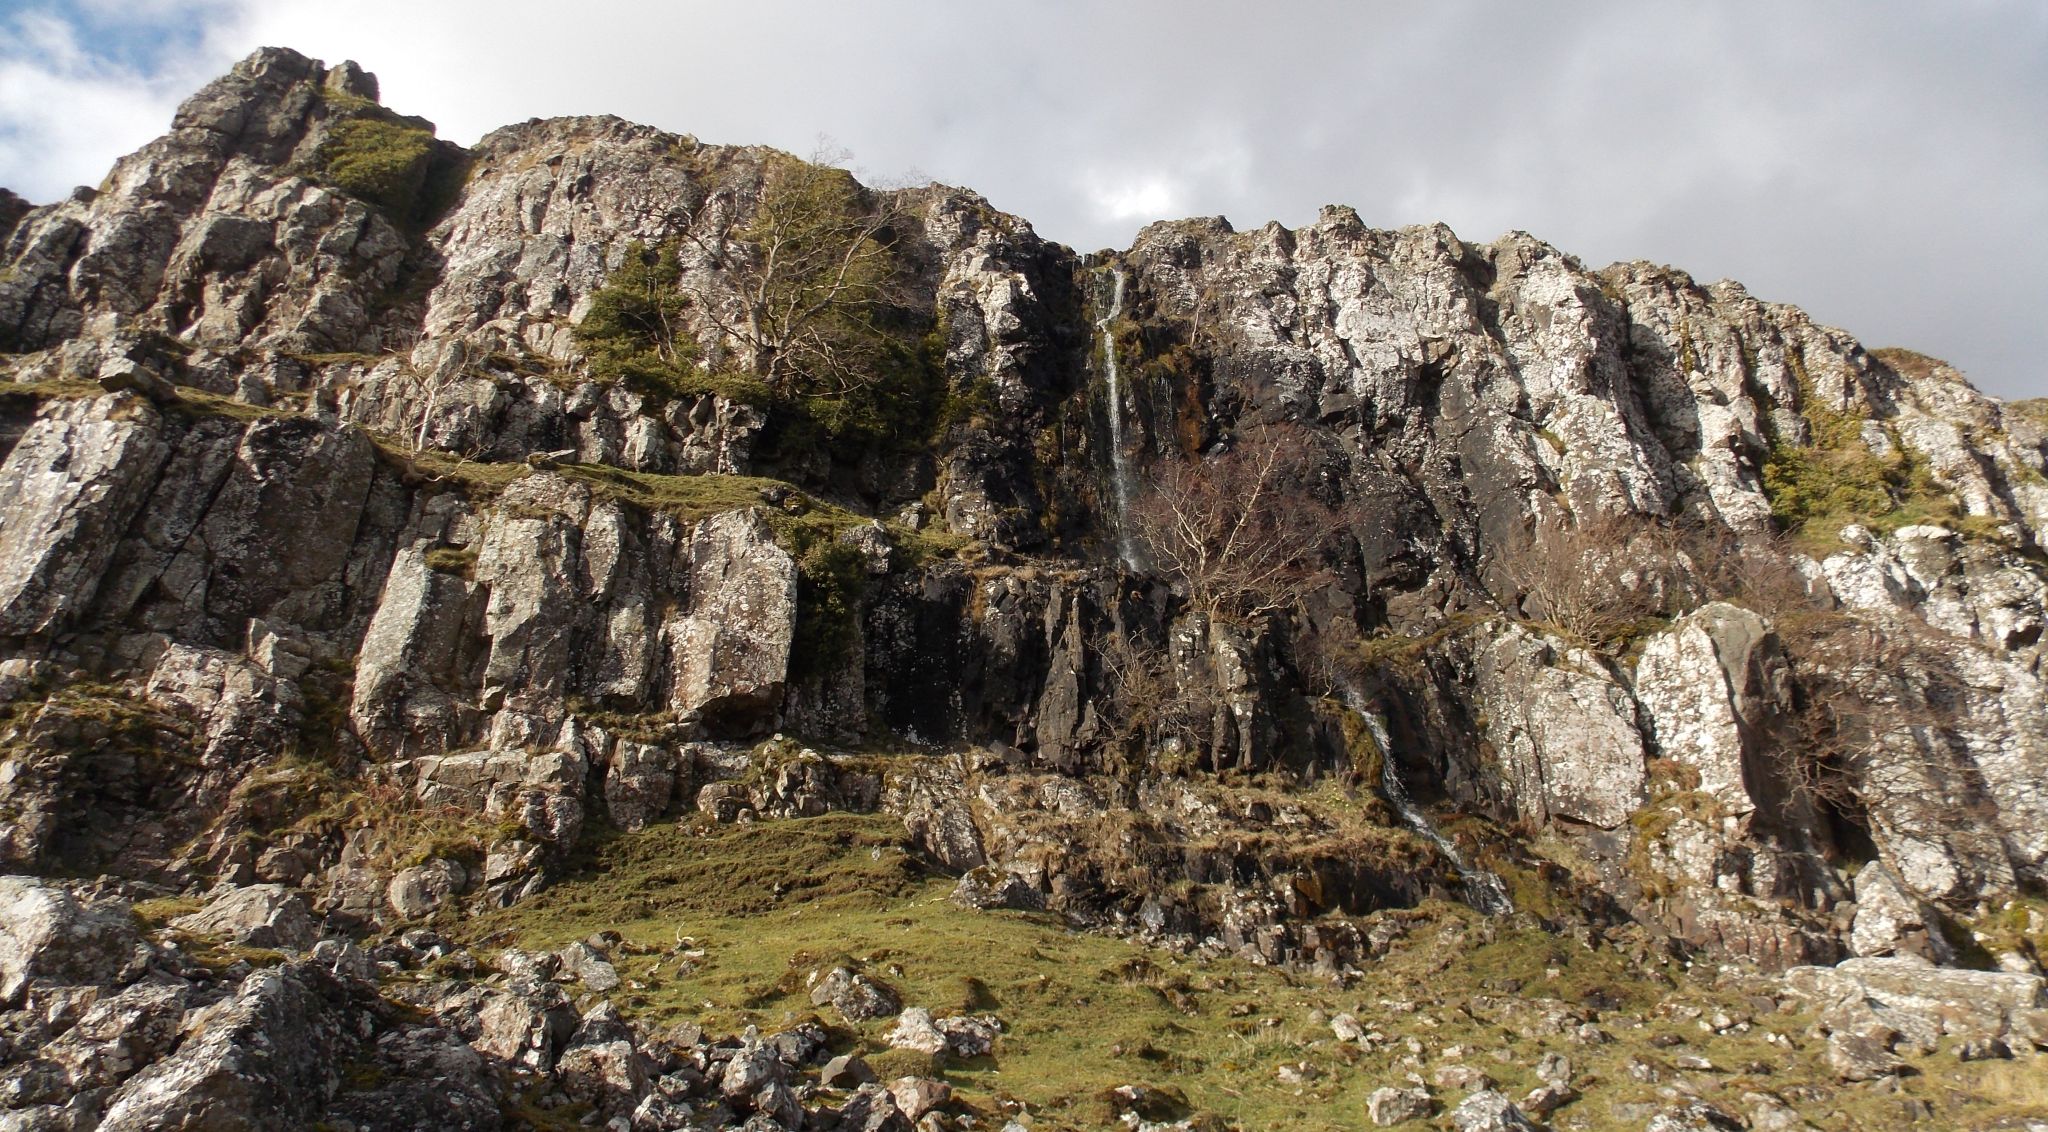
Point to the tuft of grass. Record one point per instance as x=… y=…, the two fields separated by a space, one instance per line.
x=458 y=560
x=51 y=390
x=379 y=160
x=199 y=403
x=479 y=479
x=689 y=498
x=1910 y=364
x=151 y=915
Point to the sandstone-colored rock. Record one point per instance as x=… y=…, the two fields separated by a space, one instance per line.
x=846 y=1071
x=916 y=1096
x=1460 y=1078
x=1546 y=1099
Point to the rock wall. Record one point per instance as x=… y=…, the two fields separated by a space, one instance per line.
x=305 y=493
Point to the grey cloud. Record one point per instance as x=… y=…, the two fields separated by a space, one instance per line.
x=1882 y=164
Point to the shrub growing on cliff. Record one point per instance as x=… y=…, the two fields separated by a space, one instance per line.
x=797 y=299
x=388 y=160
x=806 y=291
x=801 y=282
x=1600 y=580
x=380 y=160
x=1241 y=534
x=636 y=332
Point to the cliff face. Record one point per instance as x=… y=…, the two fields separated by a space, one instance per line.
x=308 y=489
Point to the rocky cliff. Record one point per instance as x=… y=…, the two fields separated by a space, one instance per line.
x=330 y=559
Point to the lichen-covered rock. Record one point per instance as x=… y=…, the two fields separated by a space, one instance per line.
x=984 y=888
x=855 y=996
x=270 y=1053
x=1489 y=1111
x=936 y=814
x=959 y=1035
x=1892 y=921
x=639 y=784
x=69 y=487
x=1710 y=686
x=603 y=1064
x=48 y=934
x=1388 y=1106
x=1565 y=728
x=732 y=645
x=260 y=915
x=1912 y=995
x=416 y=892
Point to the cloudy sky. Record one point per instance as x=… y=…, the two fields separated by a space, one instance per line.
x=1883 y=164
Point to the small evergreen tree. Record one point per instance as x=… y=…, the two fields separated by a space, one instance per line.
x=635 y=331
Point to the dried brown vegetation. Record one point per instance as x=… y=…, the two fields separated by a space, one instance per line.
x=1240 y=535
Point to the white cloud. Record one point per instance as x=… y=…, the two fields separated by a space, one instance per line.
x=1143 y=198
x=66 y=111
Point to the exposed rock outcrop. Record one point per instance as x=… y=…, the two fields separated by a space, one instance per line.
x=333 y=571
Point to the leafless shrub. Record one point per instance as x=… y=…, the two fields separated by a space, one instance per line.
x=1149 y=704
x=1599 y=580
x=1241 y=534
x=1756 y=570
x=1873 y=693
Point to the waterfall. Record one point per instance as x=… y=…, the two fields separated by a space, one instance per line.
x=1483 y=890
x=1119 y=460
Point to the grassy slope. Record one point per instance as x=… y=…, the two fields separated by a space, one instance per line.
x=769 y=903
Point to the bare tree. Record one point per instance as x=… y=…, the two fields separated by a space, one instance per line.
x=798 y=284
x=1598 y=579
x=1241 y=534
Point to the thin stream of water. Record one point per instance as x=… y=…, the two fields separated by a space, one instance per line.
x=1483 y=890
x=1119 y=460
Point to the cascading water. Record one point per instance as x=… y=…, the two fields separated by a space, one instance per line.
x=1119 y=460
x=1483 y=890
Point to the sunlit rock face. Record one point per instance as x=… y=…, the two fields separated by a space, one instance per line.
x=305 y=475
